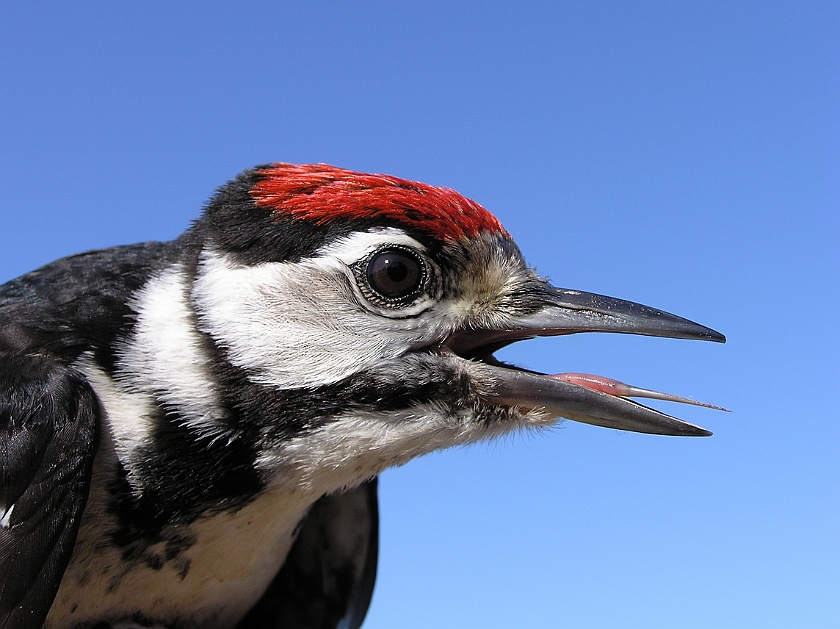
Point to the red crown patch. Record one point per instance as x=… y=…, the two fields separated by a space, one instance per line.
x=321 y=193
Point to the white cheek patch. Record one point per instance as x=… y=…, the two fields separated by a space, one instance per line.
x=302 y=324
x=164 y=356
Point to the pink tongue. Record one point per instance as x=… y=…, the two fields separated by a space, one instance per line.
x=619 y=389
x=598 y=383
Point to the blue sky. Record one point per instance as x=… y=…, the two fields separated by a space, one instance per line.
x=680 y=155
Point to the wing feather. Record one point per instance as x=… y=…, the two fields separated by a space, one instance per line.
x=48 y=435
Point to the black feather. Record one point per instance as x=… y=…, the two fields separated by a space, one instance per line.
x=48 y=438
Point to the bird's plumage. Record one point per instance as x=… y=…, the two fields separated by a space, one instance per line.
x=321 y=194
x=191 y=431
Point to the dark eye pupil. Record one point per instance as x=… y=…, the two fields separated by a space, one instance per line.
x=394 y=274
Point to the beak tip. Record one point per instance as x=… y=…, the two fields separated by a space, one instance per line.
x=687 y=430
x=716 y=337
x=695 y=331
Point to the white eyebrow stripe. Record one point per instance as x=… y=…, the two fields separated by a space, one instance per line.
x=358 y=245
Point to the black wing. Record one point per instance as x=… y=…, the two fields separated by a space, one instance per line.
x=48 y=436
x=327 y=580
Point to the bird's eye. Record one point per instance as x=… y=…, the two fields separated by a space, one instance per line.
x=395 y=274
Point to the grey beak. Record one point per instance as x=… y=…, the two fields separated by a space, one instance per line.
x=568 y=312
x=520 y=388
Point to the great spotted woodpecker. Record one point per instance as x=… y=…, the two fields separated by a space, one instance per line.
x=191 y=431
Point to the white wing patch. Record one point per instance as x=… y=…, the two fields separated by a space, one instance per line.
x=6 y=517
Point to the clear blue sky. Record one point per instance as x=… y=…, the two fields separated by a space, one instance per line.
x=681 y=156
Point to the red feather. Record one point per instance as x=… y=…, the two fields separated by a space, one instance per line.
x=321 y=193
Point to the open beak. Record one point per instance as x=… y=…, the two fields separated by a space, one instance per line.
x=580 y=397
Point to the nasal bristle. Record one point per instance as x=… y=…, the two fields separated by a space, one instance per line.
x=322 y=194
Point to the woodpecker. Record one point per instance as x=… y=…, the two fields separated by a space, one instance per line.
x=191 y=431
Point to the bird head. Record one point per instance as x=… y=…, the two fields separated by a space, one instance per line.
x=371 y=308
